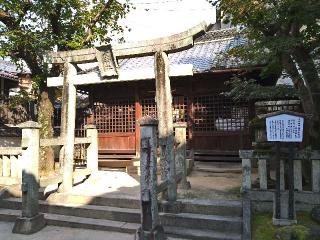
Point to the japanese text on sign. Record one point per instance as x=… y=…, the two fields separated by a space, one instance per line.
x=284 y=128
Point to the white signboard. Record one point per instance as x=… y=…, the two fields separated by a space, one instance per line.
x=284 y=128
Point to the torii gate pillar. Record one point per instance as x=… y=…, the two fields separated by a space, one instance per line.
x=164 y=112
x=69 y=96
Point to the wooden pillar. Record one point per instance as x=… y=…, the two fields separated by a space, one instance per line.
x=164 y=112
x=190 y=120
x=2 y=87
x=138 y=112
x=68 y=134
x=31 y=220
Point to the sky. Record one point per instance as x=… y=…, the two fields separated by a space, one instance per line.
x=158 y=18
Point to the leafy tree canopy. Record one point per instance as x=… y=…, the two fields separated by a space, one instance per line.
x=31 y=28
x=285 y=36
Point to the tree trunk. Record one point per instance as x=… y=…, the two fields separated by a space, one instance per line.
x=45 y=113
x=312 y=80
x=308 y=103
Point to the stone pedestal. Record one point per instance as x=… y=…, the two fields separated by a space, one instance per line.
x=155 y=234
x=29 y=225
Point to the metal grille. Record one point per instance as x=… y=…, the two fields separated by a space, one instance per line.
x=219 y=113
x=115 y=116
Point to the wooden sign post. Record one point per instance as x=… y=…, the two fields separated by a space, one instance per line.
x=284 y=127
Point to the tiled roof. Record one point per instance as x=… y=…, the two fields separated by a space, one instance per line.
x=207 y=53
x=10 y=70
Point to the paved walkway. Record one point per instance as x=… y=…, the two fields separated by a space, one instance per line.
x=61 y=233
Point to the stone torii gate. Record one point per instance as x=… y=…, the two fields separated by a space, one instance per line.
x=107 y=56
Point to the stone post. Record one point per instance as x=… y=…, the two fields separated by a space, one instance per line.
x=246 y=156
x=181 y=152
x=164 y=112
x=282 y=181
x=31 y=220
x=92 y=150
x=69 y=98
x=315 y=158
x=263 y=176
x=297 y=169
x=150 y=225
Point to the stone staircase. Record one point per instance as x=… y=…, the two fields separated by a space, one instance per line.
x=199 y=219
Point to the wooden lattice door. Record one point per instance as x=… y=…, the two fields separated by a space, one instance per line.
x=116 y=123
x=220 y=124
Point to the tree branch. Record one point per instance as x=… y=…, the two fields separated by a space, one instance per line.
x=93 y=22
x=9 y=21
x=291 y=69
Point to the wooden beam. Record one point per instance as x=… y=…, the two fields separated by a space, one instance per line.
x=169 y=44
x=124 y=75
x=138 y=116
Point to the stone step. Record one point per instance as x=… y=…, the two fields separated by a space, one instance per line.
x=212 y=207
x=197 y=234
x=112 y=201
x=117 y=226
x=77 y=210
x=75 y=222
x=188 y=220
x=208 y=207
x=204 y=222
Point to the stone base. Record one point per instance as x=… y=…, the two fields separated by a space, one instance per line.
x=185 y=185
x=155 y=234
x=24 y=225
x=283 y=222
x=171 y=207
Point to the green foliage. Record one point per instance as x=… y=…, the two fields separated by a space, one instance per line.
x=21 y=98
x=274 y=27
x=263 y=229
x=292 y=232
x=251 y=90
x=30 y=29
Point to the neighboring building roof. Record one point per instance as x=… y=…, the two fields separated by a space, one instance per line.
x=206 y=55
x=10 y=71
